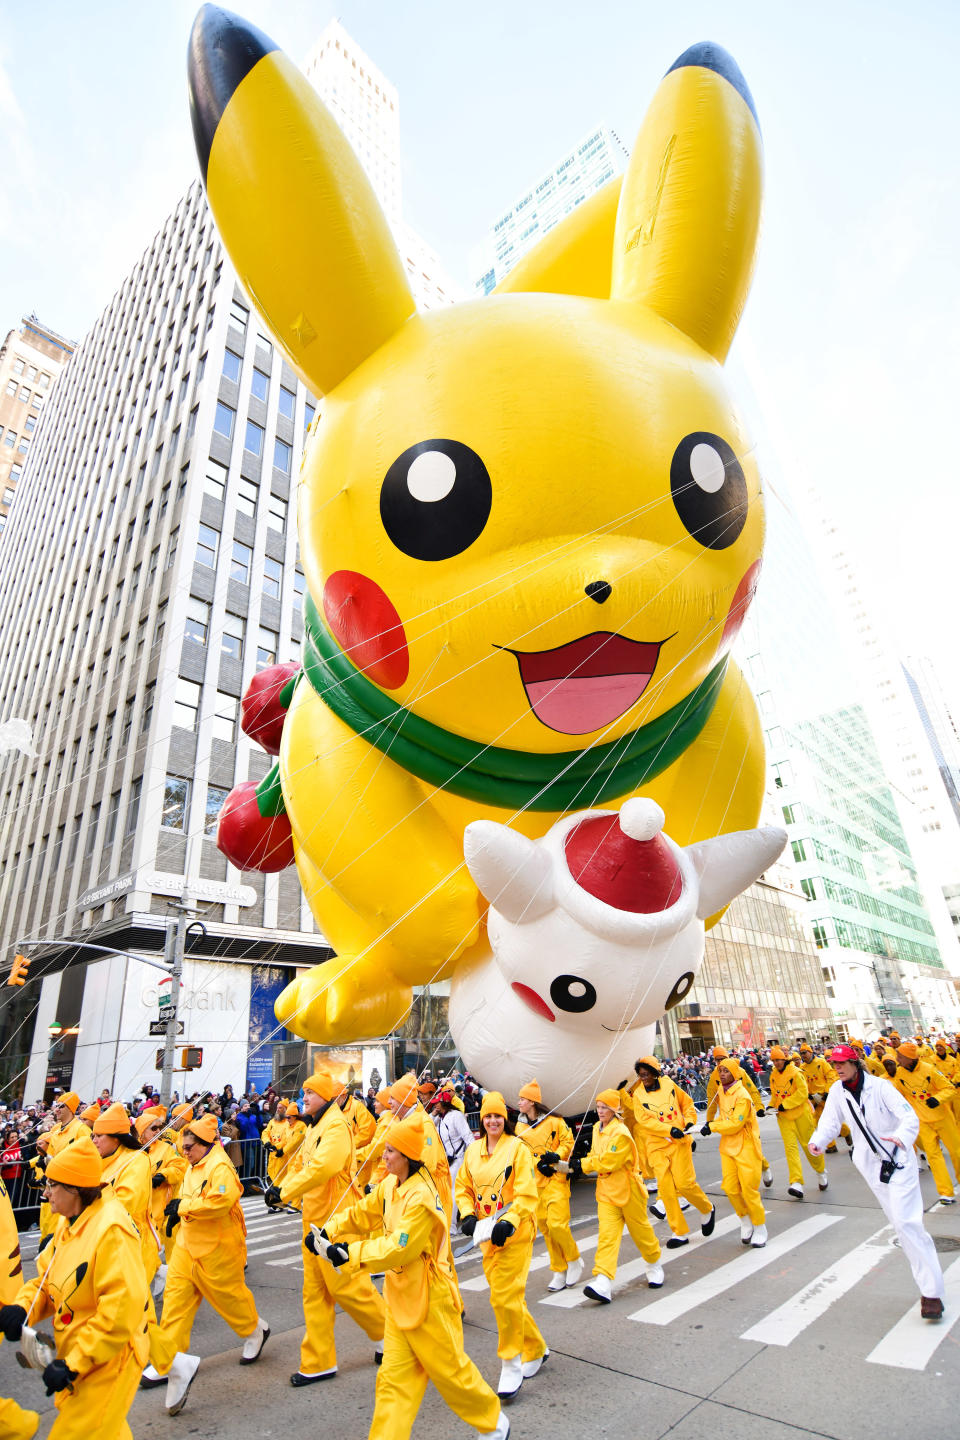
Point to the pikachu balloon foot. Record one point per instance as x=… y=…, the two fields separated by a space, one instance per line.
x=337 y=1001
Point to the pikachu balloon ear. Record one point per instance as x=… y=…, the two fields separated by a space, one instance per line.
x=690 y=205
x=294 y=208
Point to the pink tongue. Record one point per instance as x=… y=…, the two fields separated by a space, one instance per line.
x=577 y=707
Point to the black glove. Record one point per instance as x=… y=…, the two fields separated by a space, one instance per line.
x=157 y=1180
x=338 y=1254
x=368 y=1189
x=705 y=1129
x=44 y=1242
x=468 y=1224
x=172 y=1212
x=676 y=1133
x=576 y=1167
x=546 y=1166
x=58 y=1376
x=760 y=1113
x=310 y=1241
x=12 y=1320
x=501 y=1232
x=781 y=1109
x=271 y=1197
x=933 y=1103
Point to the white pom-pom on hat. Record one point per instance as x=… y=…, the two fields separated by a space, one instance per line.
x=641 y=819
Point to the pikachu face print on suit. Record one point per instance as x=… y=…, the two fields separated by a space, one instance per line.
x=530 y=524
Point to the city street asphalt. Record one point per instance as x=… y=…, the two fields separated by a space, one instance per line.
x=817 y=1335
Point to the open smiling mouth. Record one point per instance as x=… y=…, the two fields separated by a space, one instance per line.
x=588 y=683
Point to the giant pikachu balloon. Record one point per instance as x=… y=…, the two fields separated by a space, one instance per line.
x=531 y=525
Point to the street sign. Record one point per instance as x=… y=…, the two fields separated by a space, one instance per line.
x=159 y=1027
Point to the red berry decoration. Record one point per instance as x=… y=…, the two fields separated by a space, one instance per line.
x=253 y=830
x=262 y=710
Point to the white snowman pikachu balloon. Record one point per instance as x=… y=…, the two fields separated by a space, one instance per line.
x=595 y=930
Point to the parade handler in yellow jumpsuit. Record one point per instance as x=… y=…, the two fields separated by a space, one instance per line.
x=68 y=1129
x=789 y=1094
x=551 y=1140
x=621 y=1199
x=93 y=1286
x=272 y=1139
x=664 y=1113
x=127 y=1169
x=424 y=1335
x=713 y=1084
x=497 y=1188
x=741 y=1159
x=323 y=1181
x=167 y=1168
x=207 y=1264
x=15 y=1424
x=931 y=1096
x=361 y=1121
x=947 y=1063
x=820 y=1075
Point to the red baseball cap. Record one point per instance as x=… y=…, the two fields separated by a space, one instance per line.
x=842 y=1052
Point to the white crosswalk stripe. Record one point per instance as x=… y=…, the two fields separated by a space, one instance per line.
x=272 y=1249
x=794 y=1315
x=633 y=1269
x=708 y=1287
x=911 y=1344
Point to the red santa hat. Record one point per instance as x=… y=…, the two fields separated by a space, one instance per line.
x=624 y=860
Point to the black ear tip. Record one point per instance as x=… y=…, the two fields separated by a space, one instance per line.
x=222 y=51
x=710 y=56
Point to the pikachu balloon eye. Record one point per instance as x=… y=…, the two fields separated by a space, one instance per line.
x=709 y=489
x=435 y=499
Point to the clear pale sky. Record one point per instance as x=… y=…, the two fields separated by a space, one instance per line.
x=852 y=332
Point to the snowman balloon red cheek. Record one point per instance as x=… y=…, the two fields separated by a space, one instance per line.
x=595 y=930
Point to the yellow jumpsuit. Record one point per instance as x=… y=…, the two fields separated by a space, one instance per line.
x=713 y=1085
x=484 y=1188
x=369 y=1160
x=789 y=1089
x=552 y=1133
x=657 y=1112
x=323 y=1182
x=361 y=1121
x=874 y=1064
x=621 y=1198
x=741 y=1159
x=15 y=1424
x=423 y=1339
x=274 y=1133
x=129 y=1173
x=647 y=1176
x=167 y=1162
x=949 y=1067
x=55 y=1140
x=209 y=1254
x=93 y=1285
x=289 y=1161
x=937 y=1126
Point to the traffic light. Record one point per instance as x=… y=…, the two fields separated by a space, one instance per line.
x=191 y=1057
x=18 y=970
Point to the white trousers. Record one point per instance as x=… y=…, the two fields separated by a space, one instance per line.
x=902 y=1203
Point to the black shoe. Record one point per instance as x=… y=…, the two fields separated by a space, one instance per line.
x=707 y=1227
x=298 y=1379
x=931 y=1309
x=675 y=1241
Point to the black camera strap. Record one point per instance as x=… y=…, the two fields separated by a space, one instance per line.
x=866 y=1132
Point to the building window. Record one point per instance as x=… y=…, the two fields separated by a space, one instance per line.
x=272 y=575
x=176 y=798
x=215 y=480
x=241 y=563
x=799 y=852
x=259 y=384
x=19 y=366
x=308 y=413
x=208 y=541
x=254 y=438
x=282 y=456
x=239 y=315
x=192 y=422
x=248 y=492
x=225 y=717
x=267 y=642
x=197 y=626
x=74 y=839
x=92 y=824
x=223 y=420
x=11 y=387
x=299 y=586
x=287 y=402
x=233 y=632
x=215 y=799
x=113 y=810
x=231 y=365
x=148 y=698
x=186 y=704
x=8 y=495
x=277 y=514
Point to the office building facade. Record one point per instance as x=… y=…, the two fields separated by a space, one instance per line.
x=31 y=358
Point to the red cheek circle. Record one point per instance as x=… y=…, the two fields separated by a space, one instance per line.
x=368 y=629
x=741 y=604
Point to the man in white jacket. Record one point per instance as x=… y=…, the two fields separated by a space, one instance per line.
x=883 y=1126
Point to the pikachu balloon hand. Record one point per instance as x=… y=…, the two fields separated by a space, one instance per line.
x=531 y=525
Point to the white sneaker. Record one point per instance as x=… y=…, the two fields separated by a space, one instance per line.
x=530 y=1367
x=159 y=1281
x=254 y=1343
x=650 y=1186
x=759 y=1238
x=574 y=1270
x=654 y=1277
x=599 y=1289
x=767 y=1177
x=179 y=1380
x=502 y=1430
x=684 y=1204
x=823 y=1181
x=511 y=1378
x=746 y=1229
x=558 y=1280
x=796 y=1191
x=151 y=1378
x=658 y=1209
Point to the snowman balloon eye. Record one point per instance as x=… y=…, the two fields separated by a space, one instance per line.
x=571 y=993
x=709 y=489
x=435 y=499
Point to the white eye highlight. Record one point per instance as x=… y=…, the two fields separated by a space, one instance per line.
x=707 y=468
x=577 y=989
x=432 y=476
